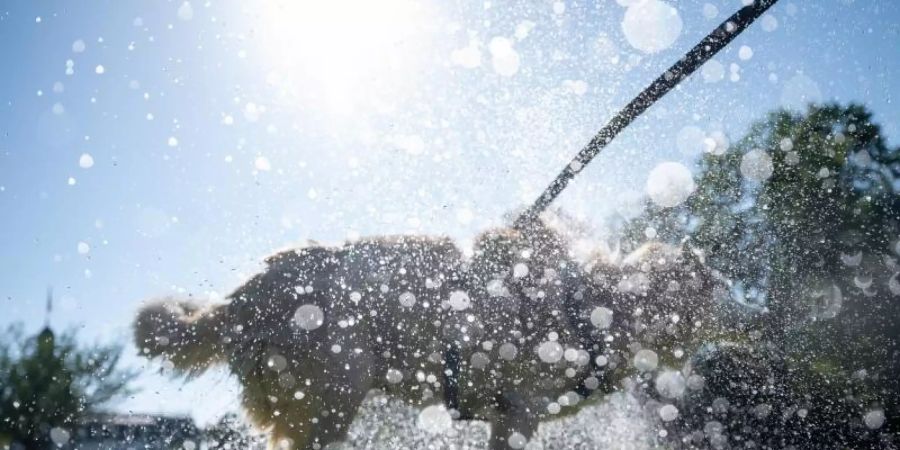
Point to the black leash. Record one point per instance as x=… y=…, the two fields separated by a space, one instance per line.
x=696 y=57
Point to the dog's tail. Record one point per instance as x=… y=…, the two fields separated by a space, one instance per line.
x=189 y=336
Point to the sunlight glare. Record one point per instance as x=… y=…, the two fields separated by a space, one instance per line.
x=341 y=52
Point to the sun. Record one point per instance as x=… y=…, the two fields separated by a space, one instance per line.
x=341 y=51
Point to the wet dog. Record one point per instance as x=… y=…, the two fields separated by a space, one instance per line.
x=514 y=335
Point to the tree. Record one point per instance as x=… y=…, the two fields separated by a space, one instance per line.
x=47 y=383
x=799 y=206
x=803 y=216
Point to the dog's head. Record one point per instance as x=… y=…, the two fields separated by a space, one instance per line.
x=193 y=337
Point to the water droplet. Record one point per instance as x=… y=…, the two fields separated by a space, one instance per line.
x=435 y=419
x=769 y=23
x=520 y=270
x=852 y=260
x=712 y=72
x=669 y=184
x=86 y=161
x=59 y=436
x=407 y=299
x=508 y=351
x=874 y=419
x=459 y=300
x=550 y=352
x=496 y=288
x=479 y=360
x=894 y=284
x=670 y=384
x=645 y=360
x=309 y=317
x=668 y=413
x=651 y=25
x=602 y=317
x=394 y=376
x=756 y=165
x=690 y=141
x=504 y=57
x=277 y=363
x=517 y=440
x=786 y=144
x=185 y=11
x=800 y=91
x=262 y=164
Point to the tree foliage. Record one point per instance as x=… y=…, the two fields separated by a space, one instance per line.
x=802 y=216
x=49 y=382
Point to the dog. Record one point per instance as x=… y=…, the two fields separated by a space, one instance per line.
x=516 y=334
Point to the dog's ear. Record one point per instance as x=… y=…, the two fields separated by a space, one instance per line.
x=185 y=334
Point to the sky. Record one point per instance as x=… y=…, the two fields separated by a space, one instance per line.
x=163 y=148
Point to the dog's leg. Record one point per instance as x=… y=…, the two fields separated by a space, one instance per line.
x=306 y=429
x=286 y=436
x=334 y=422
x=514 y=424
x=317 y=414
x=293 y=429
x=338 y=395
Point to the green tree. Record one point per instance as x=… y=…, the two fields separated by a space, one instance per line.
x=803 y=216
x=48 y=382
x=816 y=218
x=827 y=213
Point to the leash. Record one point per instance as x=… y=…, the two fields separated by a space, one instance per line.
x=708 y=47
x=715 y=41
x=687 y=65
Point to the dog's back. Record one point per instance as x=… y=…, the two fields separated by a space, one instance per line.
x=320 y=327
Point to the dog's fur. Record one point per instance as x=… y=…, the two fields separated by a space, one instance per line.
x=520 y=291
x=663 y=298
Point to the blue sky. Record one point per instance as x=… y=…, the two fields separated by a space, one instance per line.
x=219 y=132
